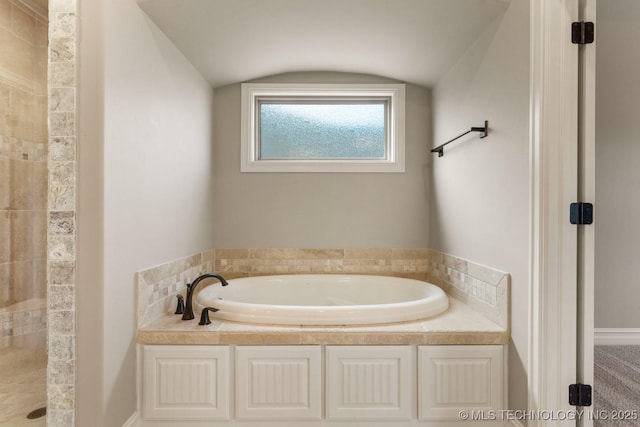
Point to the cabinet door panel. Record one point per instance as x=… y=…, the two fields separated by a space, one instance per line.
x=279 y=382
x=369 y=382
x=186 y=382
x=459 y=377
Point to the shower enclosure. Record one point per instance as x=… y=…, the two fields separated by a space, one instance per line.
x=23 y=210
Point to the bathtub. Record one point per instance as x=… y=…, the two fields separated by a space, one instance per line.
x=323 y=299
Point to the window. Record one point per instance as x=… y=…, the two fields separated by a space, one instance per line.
x=322 y=128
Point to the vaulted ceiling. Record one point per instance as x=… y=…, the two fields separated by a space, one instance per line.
x=231 y=41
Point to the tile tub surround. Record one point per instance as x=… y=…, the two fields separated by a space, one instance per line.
x=458 y=325
x=159 y=285
x=483 y=289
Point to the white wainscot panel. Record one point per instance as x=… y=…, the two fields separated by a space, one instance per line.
x=369 y=383
x=455 y=378
x=186 y=383
x=279 y=382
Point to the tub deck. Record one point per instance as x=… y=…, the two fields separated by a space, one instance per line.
x=460 y=324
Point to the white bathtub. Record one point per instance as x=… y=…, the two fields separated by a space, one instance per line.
x=323 y=299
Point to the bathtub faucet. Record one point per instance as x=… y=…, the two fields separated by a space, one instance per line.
x=188 y=309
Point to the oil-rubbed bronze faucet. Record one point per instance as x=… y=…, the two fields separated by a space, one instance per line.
x=188 y=310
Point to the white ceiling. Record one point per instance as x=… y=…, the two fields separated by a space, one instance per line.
x=231 y=41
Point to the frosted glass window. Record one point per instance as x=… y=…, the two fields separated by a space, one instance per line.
x=322 y=127
x=336 y=130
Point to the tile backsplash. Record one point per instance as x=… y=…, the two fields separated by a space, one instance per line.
x=483 y=288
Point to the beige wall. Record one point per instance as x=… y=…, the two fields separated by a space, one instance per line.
x=146 y=196
x=617 y=239
x=320 y=210
x=480 y=194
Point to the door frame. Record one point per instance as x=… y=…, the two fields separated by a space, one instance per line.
x=554 y=183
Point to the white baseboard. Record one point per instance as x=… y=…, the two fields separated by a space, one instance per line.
x=133 y=421
x=616 y=336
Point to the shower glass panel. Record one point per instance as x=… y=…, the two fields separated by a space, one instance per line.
x=23 y=214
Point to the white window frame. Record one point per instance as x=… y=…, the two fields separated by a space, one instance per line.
x=393 y=161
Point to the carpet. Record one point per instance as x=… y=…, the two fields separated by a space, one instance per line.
x=616 y=388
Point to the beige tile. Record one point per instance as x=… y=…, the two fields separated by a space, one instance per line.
x=5 y=184
x=320 y=254
x=62 y=49
x=62 y=5
x=410 y=253
x=456 y=263
x=61 y=347
x=40 y=122
x=40 y=185
x=21 y=236
x=22 y=175
x=62 y=198
x=62 y=99
x=62 y=74
x=224 y=253
x=62 y=173
x=62 y=223
x=368 y=254
x=38 y=233
x=60 y=417
x=62 y=248
x=23 y=110
x=61 y=396
x=61 y=297
x=62 y=371
x=42 y=33
x=16 y=56
x=272 y=253
x=63 y=24
x=5 y=236
x=62 y=272
x=62 y=124
x=23 y=24
x=61 y=322
x=5 y=109
x=5 y=14
x=62 y=149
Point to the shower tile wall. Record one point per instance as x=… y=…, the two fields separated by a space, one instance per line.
x=23 y=195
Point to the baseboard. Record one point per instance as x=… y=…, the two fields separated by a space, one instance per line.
x=616 y=336
x=133 y=421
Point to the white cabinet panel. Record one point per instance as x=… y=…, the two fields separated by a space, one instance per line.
x=274 y=382
x=186 y=382
x=453 y=378
x=369 y=383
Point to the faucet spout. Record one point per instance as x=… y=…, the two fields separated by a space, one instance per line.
x=188 y=309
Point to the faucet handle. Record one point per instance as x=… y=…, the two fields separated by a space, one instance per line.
x=204 y=317
x=180 y=306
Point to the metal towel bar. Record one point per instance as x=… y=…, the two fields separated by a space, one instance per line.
x=485 y=131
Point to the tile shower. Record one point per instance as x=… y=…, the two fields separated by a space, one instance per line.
x=23 y=209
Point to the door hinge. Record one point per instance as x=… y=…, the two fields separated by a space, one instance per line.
x=581 y=213
x=580 y=395
x=582 y=32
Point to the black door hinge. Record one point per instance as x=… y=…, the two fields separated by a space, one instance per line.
x=580 y=395
x=581 y=213
x=582 y=32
